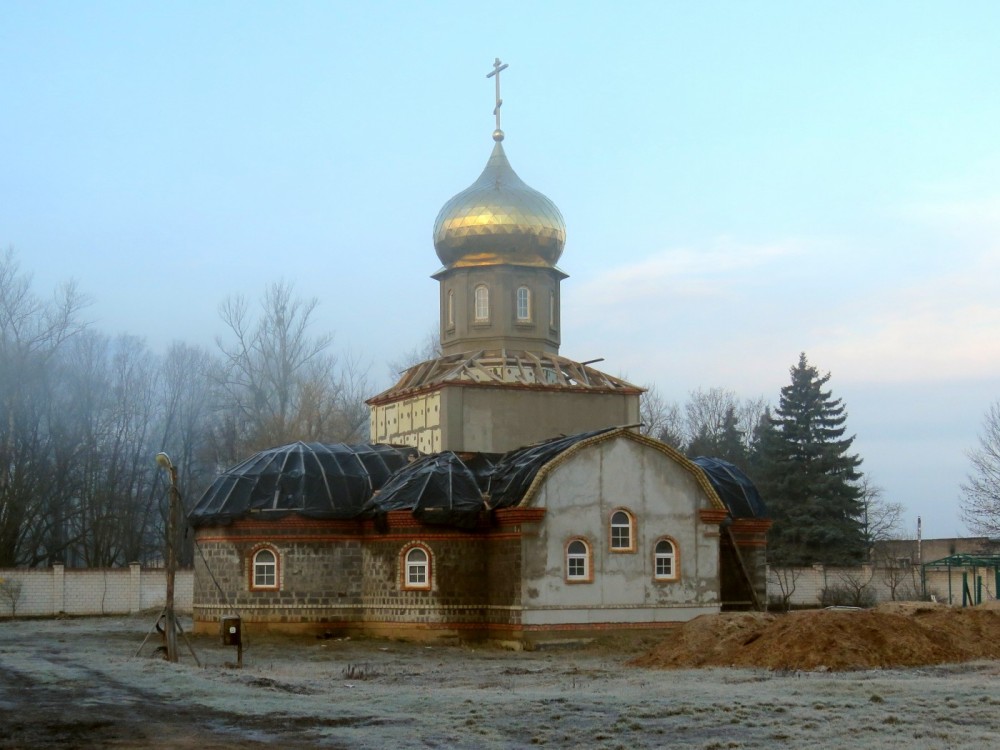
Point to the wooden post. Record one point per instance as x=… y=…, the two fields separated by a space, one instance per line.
x=171 y=624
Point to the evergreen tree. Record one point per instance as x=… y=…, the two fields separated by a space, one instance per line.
x=808 y=478
x=724 y=441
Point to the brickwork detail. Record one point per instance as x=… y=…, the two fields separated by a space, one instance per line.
x=349 y=574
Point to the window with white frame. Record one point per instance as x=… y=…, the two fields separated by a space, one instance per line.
x=417 y=569
x=578 y=567
x=523 y=304
x=265 y=569
x=665 y=560
x=451 y=308
x=622 y=531
x=482 y=307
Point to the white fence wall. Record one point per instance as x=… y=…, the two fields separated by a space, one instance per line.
x=56 y=590
x=115 y=591
x=806 y=584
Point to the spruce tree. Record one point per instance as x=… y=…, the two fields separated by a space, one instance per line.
x=807 y=476
x=725 y=441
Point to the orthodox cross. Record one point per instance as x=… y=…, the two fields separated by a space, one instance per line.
x=497 y=67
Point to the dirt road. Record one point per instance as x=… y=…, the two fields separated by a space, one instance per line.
x=75 y=684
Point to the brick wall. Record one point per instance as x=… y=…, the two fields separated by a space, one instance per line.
x=112 y=591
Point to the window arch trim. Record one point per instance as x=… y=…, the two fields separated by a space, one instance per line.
x=622 y=532
x=671 y=559
x=264 y=575
x=578 y=564
x=416 y=574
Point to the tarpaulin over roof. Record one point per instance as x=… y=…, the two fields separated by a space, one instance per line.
x=733 y=487
x=514 y=473
x=436 y=489
x=315 y=480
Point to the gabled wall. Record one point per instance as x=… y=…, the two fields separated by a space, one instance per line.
x=579 y=496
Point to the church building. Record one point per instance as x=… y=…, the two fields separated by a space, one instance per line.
x=507 y=492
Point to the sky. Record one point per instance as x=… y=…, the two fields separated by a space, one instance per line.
x=741 y=182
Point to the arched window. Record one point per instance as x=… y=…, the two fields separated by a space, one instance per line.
x=552 y=311
x=622 y=531
x=417 y=568
x=482 y=311
x=265 y=569
x=523 y=304
x=451 y=308
x=578 y=562
x=665 y=561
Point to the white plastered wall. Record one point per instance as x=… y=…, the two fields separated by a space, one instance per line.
x=580 y=495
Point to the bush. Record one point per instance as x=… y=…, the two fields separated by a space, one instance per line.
x=10 y=591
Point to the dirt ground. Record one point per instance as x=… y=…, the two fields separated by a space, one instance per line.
x=77 y=684
x=898 y=634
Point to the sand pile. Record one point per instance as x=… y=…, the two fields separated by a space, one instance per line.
x=891 y=635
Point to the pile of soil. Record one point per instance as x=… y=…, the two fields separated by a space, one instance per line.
x=891 y=635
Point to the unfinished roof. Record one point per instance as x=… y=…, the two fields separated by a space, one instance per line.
x=347 y=481
x=515 y=472
x=733 y=487
x=530 y=370
x=315 y=480
x=439 y=489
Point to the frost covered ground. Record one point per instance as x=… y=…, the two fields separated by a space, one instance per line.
x=75 y=684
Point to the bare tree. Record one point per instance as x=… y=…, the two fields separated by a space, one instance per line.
x=880 y=519
x=853 y=589
x=981 y=490
x=428 y=348
x=279 y=383
x=899 y=576
x=786 y=579
x=32 y=334
x=10 y=590
x=113 y=408
x=660 y=418
x=706 y=410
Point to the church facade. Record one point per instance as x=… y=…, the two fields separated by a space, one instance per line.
x=506 y=493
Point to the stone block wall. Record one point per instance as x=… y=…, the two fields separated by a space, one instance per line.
x=348 y=576
x=319 y=581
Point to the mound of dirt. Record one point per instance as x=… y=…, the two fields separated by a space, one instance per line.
x=891 y=635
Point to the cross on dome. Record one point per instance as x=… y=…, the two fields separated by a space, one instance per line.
x=495 y=73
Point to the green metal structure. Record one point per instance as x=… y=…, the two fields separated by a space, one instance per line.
x=965 y=563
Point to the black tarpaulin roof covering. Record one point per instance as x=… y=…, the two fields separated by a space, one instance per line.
x=435 y=489
x=316 y=480
x=515 y=471
x=733 y=487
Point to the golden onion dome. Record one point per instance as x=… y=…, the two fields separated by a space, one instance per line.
x=499 y=219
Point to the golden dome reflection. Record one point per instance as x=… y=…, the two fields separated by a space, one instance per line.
x=499 y=219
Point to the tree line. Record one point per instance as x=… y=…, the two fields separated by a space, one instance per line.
x=82 y=414
x=798 y=454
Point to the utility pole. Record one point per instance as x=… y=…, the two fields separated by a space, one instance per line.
x=170 y=626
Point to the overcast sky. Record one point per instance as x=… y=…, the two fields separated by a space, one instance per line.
x=741 y=181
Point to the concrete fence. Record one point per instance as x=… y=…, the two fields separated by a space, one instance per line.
x=804 y=587
x=113 y=591
x=58 y=590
